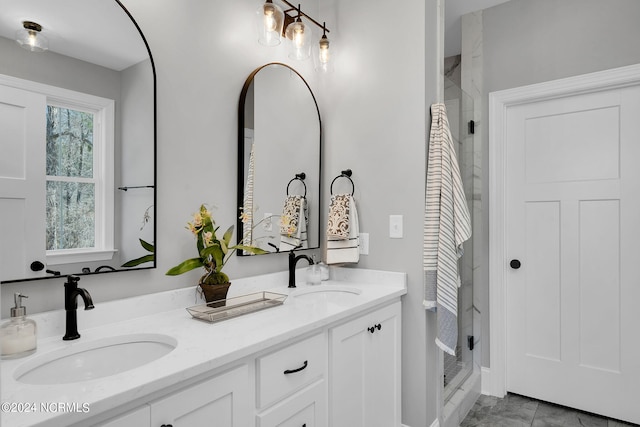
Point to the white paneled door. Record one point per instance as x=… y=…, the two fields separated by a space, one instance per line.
x=572 y=237
x=22 y=182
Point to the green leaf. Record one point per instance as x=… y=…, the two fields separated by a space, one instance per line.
x=148 y=246
x=185 y=266
x=252 y=249
x=211 y=251
x=138 y=261
x=226 y=238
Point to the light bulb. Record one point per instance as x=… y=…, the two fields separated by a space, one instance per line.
x=324 y=55
x=270 y=22
x=31 y=40
x=298 y=35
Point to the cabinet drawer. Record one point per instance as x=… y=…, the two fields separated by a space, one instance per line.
x=306 y=408
x=290 y=369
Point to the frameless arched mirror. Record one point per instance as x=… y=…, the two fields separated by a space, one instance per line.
x=77 y=169
x=279 y=155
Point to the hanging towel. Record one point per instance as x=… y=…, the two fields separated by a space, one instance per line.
x=447 y=225
x=247 y=204
x=343 y=234
x=293 y=223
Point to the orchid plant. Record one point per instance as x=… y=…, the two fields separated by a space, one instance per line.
x=213 y=252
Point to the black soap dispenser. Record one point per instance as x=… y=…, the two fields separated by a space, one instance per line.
x=18 y=336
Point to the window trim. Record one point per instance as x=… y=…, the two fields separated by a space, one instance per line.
x=104 y=169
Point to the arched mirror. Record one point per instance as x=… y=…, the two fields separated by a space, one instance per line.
x=279 y=157
x=77 y=169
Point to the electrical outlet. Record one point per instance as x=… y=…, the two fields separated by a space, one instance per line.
x=395 y=226
x=267 y=224
x=364 y=243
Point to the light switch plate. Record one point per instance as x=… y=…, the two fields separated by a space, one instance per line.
x=395 y=226
x=364 y=243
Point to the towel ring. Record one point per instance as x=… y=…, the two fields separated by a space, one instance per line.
x=344 y=174
x=299 y=177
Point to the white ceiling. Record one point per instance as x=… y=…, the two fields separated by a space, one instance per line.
x=454 y=9
x=95 y=31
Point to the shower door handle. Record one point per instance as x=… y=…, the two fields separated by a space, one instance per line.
x=515 y=264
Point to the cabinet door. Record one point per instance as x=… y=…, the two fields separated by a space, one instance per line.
x=138 y=417
x=222 y=401
x=364 y=373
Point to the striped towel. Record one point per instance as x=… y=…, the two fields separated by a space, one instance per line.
x=247 y=205
x=447 y=225
x=343 y=248
x=293 y=224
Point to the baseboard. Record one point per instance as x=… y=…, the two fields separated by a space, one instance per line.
x=485 y=385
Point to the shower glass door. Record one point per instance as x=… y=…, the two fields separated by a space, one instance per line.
x=460 y=114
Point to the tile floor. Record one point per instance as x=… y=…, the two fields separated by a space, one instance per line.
x=520 y=411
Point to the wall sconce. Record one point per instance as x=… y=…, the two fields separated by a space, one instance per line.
x=271 y=21
x=30 y=38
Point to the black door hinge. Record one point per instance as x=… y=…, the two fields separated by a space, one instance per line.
x=470 y=342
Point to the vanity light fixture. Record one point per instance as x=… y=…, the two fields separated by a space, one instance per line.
x=29 y=37
x=271 y=25
x=269 y=22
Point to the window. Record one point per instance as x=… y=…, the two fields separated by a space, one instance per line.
x=79 y=181
x=70 y=182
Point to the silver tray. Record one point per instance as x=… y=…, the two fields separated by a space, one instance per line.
x=229 y=308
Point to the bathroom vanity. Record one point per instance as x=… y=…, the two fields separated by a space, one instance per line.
x=330 y=355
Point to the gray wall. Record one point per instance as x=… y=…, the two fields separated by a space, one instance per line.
x=528 y=42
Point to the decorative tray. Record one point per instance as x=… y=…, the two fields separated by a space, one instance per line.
x=224 y=309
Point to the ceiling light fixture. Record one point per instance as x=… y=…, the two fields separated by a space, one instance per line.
x=269 y=22
x=30 y=38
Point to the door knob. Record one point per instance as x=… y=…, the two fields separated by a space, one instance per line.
x=515 y=264
x=36 y=266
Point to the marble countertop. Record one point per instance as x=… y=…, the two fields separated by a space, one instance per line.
x=201 y=347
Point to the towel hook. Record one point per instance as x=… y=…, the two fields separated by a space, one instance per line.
x=344 y=174
x=299 y=177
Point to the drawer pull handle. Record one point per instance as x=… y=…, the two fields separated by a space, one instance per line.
x=293 y=371
x=372 y=329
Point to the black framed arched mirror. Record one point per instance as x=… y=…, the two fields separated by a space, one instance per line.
x=77 y=193
x=279 y=155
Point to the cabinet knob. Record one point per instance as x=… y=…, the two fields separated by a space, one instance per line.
x=515 y=264
x=36 y=266
x=166 y=425
x=293 y=371
x=379 y=326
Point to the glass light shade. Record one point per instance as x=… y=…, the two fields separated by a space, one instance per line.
x=30 y=38
x=323 y=56
x=299 y=35
x=269 y=21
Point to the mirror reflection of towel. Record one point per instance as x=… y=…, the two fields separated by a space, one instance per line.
x=343 y=233
x=293 y=224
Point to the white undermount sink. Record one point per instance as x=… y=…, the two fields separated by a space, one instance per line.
x=83 y=361
x=309 y=290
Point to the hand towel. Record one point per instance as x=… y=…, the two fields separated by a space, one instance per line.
x=447 y=225
x=293 y=223
x=343 y=234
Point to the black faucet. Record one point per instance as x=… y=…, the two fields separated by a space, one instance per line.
x=71 y=293
x=293 y=260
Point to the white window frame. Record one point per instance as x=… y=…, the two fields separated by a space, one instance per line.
x=103 y=167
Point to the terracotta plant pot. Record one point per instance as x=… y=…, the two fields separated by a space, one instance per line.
x=215 y=293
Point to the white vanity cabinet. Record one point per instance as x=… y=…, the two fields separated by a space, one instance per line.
x=364 y=379
x=221 y=401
